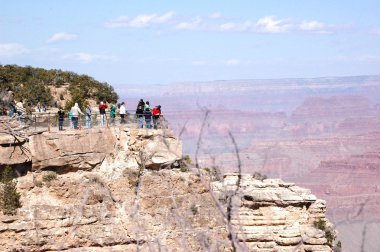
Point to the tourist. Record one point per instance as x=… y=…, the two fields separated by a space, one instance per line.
x=102 y=111
x=61 y=116
x=139 y=115
x=122 y=113
x=147 y=105
x=38 y=107
x=112 y=114
x=12 y=105
x=75 y=110
x=148 y=117
x=141 y=103
x=88 y=117
x=156 y=116
x=20 y=111
x=71 y=120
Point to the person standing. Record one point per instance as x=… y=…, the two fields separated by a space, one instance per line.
x=147 y=105
x=20 y=111
x=61 y=117
x=75 y=110
x=139 y=115
x=12 y=105
x=88 y=117
x=122 y=113
x=141 y=103
x=102 y=111
x=156 y=116
x=113 y=114
x=71 y=120
x=148 y=117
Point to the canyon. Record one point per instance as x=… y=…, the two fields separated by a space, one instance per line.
x=321 y=133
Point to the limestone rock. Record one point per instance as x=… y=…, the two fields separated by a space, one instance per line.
x=82 y=210
x=274 y=213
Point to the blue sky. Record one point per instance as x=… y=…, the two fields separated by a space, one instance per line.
x=164 y=41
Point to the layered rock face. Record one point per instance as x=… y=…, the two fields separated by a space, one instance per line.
x=272 y=215
x=110 y=150
x=162 y=210
x=165 y=210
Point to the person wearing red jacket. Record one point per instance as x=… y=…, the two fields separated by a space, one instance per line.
x=156 y=116
x=102 y=111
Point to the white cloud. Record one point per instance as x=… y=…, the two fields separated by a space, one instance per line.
x=235 y=27
x=215 y=15
x=62 y=36
x=216 y=22
x=87 y=57
x=191 y=25
x=232 y=62
x=140 y=21
x=312 y=26
x=270 y=24
x=121 y=21
x=12 y=49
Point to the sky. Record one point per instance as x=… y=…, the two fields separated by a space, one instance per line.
x=164 y=41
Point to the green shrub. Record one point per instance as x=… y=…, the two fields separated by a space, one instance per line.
x=9 y=197
x=187 y=159
x=132 y=177
x=49 y=176
x=184 y=168
x=259 y=176
x=31 y=85
x=338 y=247
x=194 y=209
x=329 y=232
x=38 y=183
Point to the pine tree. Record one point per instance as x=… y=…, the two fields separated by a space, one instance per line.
x=9 y=197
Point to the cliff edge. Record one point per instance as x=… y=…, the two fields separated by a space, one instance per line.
x=121 y=189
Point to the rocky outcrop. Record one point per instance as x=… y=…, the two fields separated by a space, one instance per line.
x=141 y=148
x=160 y=210
x=71 y=149
x=272 y=215
x=109 y=150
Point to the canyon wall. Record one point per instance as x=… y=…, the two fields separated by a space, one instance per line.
x=122 y=189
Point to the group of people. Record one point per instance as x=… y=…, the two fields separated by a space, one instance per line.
x=15 y=108
x=144 y=112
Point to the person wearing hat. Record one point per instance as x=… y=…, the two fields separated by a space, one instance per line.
x=156 y=116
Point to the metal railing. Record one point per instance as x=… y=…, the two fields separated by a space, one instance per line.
x=45 y=121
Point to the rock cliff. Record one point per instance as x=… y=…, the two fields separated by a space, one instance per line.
x=119 y=189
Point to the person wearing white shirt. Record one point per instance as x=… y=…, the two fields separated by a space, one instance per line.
x=122 y=113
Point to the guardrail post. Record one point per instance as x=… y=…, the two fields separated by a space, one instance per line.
x=49 y=121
